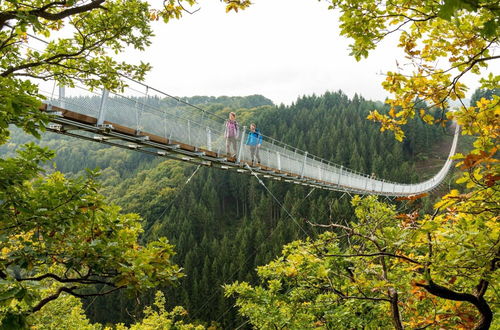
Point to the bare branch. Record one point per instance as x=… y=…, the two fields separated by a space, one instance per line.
x=42 y=11
x=83 y=280
x=479 y=302
x=71 y=291
x=187 y=11
x=378 y=254
x=364 y=297
x=48 y=299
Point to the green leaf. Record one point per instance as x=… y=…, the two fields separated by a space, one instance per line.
x=12 y=321
x=11 y=293
x=490 y=28
x=447 y=9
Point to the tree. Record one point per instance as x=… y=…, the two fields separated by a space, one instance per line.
x=460 y=33
x=94 y=29
x=463 y=33
x=64 y=313
x=422 y=270
x=58 y=233
x=383 y=268
x=484 y=93
x=68 y=313
x=158 y=317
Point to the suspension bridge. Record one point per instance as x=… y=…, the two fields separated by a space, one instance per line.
x=144 y=119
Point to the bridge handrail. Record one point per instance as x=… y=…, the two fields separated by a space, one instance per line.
x=294 y=159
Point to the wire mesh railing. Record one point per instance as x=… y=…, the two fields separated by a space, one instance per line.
x=146 y=109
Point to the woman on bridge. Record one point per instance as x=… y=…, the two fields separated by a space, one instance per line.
x=254 y=141
x=231 y=134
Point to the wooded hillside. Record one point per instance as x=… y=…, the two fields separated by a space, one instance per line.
x=224 y=225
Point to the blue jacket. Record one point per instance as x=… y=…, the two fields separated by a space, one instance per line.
x=254 y=138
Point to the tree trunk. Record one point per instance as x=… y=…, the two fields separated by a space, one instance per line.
x=396 y=317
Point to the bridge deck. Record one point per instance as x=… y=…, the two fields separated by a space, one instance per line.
x=74 y=124
x=147 y=120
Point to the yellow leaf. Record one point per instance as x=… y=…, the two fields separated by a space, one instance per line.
x=429 y=119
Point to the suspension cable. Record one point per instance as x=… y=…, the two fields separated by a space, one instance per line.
x=178 y=192
x=276 y=199
x=248 y=258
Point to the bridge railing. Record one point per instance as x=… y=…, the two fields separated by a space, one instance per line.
x=146 y=109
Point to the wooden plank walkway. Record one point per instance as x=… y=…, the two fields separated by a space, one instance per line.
x=70 y=122
x=75 y=124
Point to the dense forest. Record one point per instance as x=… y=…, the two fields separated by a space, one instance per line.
x=112 y=239
x=224 y=225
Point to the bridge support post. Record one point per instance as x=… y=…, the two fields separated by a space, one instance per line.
x=62 y=96
x=189 y=132
x=138 y=115
x=102 y=107
x=165 y=124
x=303 y=165
x=340 y=174
x=241 y=144
x=209 y=139
x=139 y=111
x=278 y=160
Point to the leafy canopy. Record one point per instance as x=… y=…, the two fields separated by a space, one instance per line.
x=59 y=233
x=442 y=42
x=412 y=270
x=72 y=40
x=409 y=270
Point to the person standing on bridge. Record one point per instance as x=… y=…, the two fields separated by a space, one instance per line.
x=231 y=133
x=254 y=141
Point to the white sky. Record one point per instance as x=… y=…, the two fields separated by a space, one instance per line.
x=281 y=49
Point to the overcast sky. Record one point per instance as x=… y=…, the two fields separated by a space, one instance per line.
x=281 y=49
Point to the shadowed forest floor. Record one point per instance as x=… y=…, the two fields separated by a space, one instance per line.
x=436 y=156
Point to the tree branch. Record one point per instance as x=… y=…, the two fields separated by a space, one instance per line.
x=378 y=254
x=48 y=299
x=479 y=302
x=83 y=280
x=42 y=11
x=344 y=296
x=55 y=60
x=350 y=230
x=70 y=291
